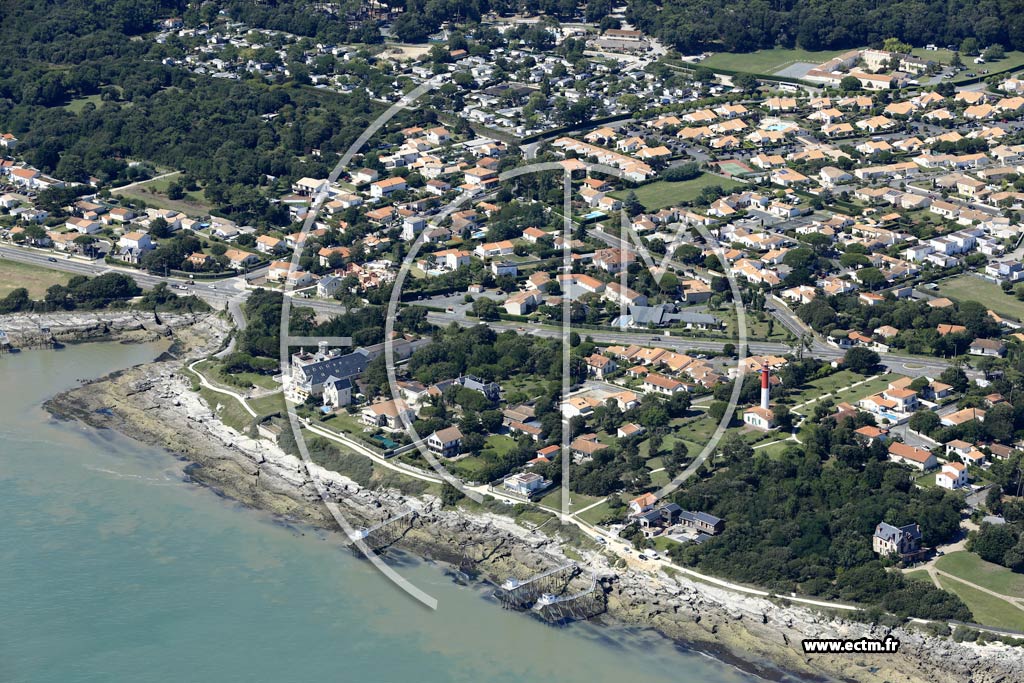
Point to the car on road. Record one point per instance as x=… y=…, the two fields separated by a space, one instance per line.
x=211 y=286
x=52 y=260
x=642 y=556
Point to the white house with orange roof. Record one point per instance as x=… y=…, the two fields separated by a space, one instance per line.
x=952 y=477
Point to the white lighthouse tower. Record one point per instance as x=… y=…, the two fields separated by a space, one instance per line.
x=765 y=387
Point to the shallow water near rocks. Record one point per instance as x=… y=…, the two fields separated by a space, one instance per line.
x=113 y=568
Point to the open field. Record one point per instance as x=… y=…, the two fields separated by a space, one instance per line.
x=577 y=501
x=658 y=195
x=973 y=288
x=596 y=514
x=33 y=278
x=918 y=575
x=988 y=609
x=154 y=194
x=1013 y=61
x=231 y=411
x=840 y=382
x=767 y=61
x=75 y=106
x=970 y=567
x=266 y=405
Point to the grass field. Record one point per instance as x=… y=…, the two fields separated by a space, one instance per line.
x=918 y=575
x=266 y=405
x=577 y=501
x=596 y=514
x=767 y=61
x=75 y=106
x=153 y=193
x=231 y=411
x=658 y=195
x=840 y=382
x=973 y=288
x=33 y=278
x=1013 y=61
x=988 y=609
x=970 y=567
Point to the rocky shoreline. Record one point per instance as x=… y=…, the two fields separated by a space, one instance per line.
x=156 y=405
x=46 y=330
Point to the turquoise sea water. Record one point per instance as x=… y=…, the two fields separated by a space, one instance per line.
x=114 y=569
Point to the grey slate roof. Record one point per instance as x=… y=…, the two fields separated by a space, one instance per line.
x=341 y=367
x=894 y=533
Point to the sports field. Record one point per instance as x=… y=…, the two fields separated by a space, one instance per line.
x=767 y=61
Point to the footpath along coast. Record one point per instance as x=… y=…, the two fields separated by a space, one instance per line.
x=156 y=404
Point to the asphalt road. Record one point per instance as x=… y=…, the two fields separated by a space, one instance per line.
x=231 y=292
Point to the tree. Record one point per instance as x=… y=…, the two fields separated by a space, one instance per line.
x=872 y=278
x=896 y=45
x=924 y=421
x=994 y=53
x=486 y=309
x=992 y=541
x=735 y=448
x=969 y=46
x=632 y=205
x=450 y=496
x=717 y=409
x=849 y=84
x=956 y=378
x=745 y=82
x=861 y=360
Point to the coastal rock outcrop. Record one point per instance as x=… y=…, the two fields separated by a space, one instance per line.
x=44 y=330
x=156 y=404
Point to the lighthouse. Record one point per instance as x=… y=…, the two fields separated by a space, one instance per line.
x=765 y=387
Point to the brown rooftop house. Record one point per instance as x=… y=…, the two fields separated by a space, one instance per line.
x=987 y=347
x=918 y=458
x=445 y=442
x=585 y=446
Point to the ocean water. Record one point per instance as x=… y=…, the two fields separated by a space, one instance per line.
x=114 y=569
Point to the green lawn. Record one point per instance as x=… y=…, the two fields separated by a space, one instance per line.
x=840 y=382
x=214 y=372
x=33 y=278
x=499 y=444
x=75 y=106
x=970 y=567
x=767 y=61
x=757 y=329
x=1014 y=60
x=596 y=514
x=988 y=609
x=662 y=193
x=268 y=404
x=942 y=56
x=694 y=430
x=577 y=501
x=973 y=288
x=153 y=193
x=918 y=575
x=231 y=411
